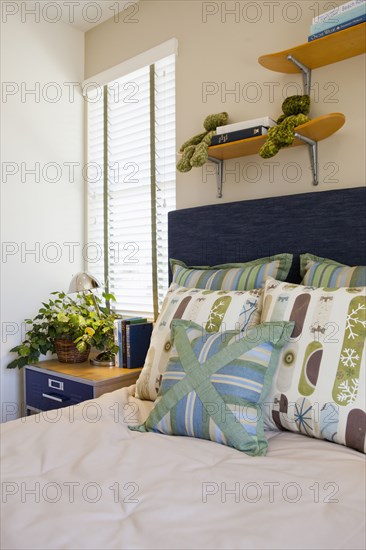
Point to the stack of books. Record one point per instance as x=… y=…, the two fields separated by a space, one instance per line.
x=242 y=130
x=335 y=20
x=132 y=336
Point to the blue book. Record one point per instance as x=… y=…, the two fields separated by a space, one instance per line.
x=238 y=134
x=138 y=341
x=120 y=338
x=337 y=28
x=338 y=19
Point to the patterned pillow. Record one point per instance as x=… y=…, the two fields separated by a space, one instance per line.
x=232 y=276
x=214 y=385
x=214 y=310
x=317 y=271
x=319 y=388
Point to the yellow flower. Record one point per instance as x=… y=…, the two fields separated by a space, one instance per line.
x=89 y=331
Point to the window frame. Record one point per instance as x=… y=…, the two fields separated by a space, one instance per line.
x=170 y=46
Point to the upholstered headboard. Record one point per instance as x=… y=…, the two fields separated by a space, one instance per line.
x=328 y=223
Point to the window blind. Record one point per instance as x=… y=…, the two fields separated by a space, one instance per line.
x=123 y=196
x=94 y=250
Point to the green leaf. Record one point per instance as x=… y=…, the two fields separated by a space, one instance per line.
x=13 y=364
x=109 y=297
x=22 y=361
x=81 y=346
x=62 y=317
x=16 y=349
x=24 y=351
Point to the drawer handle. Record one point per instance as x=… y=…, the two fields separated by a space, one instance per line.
x=55 y=384
x=53 y=397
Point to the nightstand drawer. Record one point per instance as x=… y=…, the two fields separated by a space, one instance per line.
x=46 y=392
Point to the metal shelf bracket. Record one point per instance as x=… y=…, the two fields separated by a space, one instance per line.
x=313 y=145
x=306 y=73
x=313 y=151
x=219 y=163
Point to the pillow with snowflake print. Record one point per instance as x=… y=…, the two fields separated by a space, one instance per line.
x=214 y=310
x=319 y=387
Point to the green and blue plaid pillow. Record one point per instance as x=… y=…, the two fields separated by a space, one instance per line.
x=242 y=276
x=322 y=272
x=214 y=385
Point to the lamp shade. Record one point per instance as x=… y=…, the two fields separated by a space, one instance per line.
x=83 y=281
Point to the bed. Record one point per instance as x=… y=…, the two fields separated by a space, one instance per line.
x=78 y=478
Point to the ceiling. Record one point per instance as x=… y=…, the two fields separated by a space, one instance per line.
x=82 y=14
x=87 y=15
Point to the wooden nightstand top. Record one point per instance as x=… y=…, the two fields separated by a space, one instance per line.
x=85 y=372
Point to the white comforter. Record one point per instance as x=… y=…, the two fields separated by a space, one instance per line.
x=78 y=478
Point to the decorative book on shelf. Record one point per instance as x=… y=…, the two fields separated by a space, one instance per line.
x=239 y=134
x=265 y=121
x=336 y=19
x=337 y=11
x=338 y=28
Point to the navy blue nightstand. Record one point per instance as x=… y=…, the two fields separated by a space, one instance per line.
x=52 y=385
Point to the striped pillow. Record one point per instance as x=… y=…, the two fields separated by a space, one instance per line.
x=244 y=276
x=321 y=272
x=214 y=385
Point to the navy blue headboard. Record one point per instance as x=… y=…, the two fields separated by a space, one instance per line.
x=328 y=223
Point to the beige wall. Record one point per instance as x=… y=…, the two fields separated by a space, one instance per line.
x=43 y=133
x=223 y=49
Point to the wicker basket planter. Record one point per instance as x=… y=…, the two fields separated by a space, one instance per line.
x=67 y=352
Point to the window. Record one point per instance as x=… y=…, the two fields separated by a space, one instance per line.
x=131 y=184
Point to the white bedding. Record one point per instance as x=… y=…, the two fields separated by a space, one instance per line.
x=150 y=491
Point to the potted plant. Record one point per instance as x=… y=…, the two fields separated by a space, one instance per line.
x=68 y=327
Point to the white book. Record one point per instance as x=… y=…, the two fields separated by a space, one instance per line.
x=263 y=121
x=116 y=330
x=338 y=11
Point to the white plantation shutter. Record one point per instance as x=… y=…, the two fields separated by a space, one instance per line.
x=94 y=251
x=133 y=103
x=165 y=163
x=129 y=203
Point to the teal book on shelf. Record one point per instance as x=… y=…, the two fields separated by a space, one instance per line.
x=340 y=18
x=138 y=342
x=337 y=28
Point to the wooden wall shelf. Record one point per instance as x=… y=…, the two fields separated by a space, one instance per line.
x=307 y=134
x=300 y=59
x=316 y=129
x=318 y=53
